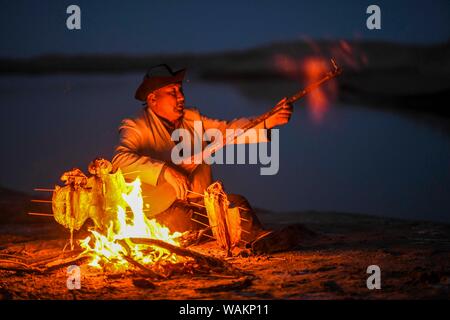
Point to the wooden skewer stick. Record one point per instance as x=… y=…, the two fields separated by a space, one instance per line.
x=15 y=262
x=205 y=216
x=202 y=206
x=208 y=236
x=193 y=192
x=200 y=214
x=196 y=193
x=44 y=189
x=197 y=204
x=202 y=195
x=199 y=222
x=71 y=239
x=41 y=201
x=39 y=214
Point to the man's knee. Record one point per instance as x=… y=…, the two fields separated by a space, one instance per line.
x=238 y=200
x=177 y=219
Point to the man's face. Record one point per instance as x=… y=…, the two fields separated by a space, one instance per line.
x=167 y=102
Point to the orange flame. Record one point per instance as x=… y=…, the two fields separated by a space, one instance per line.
x=107 y=250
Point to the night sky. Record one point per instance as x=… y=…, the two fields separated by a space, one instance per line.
x=30 y=28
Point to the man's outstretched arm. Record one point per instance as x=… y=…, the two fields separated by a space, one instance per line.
x=278 y=119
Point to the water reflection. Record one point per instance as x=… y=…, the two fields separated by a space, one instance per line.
x=355 y=160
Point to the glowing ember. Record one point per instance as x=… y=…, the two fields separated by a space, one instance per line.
x=109 y=249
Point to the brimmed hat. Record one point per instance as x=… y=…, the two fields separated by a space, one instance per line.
x=157 y=77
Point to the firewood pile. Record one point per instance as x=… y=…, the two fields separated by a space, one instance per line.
x=43 y=263
x=123 y=240
x=195 y=262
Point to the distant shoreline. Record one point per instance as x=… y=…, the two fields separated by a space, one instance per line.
x=383 y=74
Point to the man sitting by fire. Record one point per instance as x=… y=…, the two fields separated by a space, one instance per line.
x=146 y=145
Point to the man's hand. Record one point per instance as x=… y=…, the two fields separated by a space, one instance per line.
x=178 y=181
x=282 y=116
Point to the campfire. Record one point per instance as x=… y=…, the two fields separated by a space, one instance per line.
x=112 y=248
x=125 y=236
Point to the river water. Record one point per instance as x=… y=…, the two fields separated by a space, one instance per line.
x=355 y=159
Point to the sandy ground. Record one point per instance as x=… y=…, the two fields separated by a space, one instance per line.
x=413 y=257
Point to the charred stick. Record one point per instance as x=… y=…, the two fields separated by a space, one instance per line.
x=137 y=264
x=15 y=262
x=199 y=222
x=207 y=225
x=64 y=255
x=24 y=267
x=202 y=206
x=201 y=214
x=66 y=262
x=200 y=258
x=11 y=256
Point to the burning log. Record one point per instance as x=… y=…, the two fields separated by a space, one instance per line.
x=52 y=258
x=212 y=262
x=55 y=265
x=40 y=214
x=137 y=264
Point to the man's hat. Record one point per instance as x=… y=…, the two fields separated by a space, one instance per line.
x=157 y=77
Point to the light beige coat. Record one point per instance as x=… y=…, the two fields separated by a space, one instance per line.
x=146 y=146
